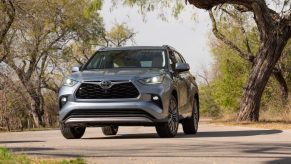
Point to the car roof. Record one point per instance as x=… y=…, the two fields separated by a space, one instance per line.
x=132 y=48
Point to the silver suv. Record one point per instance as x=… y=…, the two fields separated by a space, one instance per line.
x=130 y=86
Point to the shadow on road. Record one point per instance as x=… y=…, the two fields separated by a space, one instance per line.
x=128 y=136
x=286 y=160
x=241 y=133
x=29 y=149
x=19 y=141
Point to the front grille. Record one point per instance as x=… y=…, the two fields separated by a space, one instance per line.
x=85 y=113
x=117 y=91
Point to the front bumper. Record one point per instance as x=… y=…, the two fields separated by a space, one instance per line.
x=135 y=111
x=112 y=113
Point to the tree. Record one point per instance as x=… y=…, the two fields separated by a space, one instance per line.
x=228 y=16
x=7 y=16
x=230 y=70
x=118 y=36
x=37 y=38
x=44 y=40
x=275 y=31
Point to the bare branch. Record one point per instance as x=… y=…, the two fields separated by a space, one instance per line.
x=263 y=14
x=10 y=11
x=239 y=21
x=226 y=41
x=126 y=38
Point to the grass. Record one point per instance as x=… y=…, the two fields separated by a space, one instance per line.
x=265 y=124
x=6 y=157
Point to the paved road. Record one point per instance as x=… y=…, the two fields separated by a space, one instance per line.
x=213 y=144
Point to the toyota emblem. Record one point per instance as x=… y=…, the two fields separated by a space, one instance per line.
x=105 y=84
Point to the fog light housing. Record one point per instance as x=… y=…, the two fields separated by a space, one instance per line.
x=157 y=100
x=62 y=102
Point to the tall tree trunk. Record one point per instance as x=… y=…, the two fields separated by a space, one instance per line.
x=37 y=111
x=267 y=57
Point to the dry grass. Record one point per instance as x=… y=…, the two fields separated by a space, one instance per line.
x=269 y=119
x=262 y=124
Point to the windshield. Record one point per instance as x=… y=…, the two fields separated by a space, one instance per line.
x=127 y=59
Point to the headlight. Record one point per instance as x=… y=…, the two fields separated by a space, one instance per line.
x=153 y=80
x=70 y=82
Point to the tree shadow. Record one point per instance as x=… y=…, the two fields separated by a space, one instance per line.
x=128 y=136
x=19 y=141
x=286 y=160
x=29 y=149
x=241 y=133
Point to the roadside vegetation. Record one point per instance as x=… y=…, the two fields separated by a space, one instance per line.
x=8 y=157
x=40 y=40
x=223 y=85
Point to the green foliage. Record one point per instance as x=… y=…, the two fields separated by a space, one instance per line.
x=146 y=6
x=230 y=71
x=208 y=106
x=119 y=35
x=228 y=84
x=93 y=7
x=6 y=157
x=178 y=9
x=73 y=161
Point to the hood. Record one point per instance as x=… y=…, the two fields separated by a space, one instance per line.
x=115 y=74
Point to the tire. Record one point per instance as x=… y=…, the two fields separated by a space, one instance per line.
x=72 y=132
x=110 y=130
x=190 y=125
x=170 y=128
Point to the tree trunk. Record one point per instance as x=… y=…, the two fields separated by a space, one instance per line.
x=283 y=85
x=36 y=111
x=267 y=57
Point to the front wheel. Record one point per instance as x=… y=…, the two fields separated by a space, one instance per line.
x=70 y=132
x=170 y=128
x=190 y=125
x=110 y=130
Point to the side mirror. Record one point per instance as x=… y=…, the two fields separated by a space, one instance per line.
x=75 y=69
x=182 y=67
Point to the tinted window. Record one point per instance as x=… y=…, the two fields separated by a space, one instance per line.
x=127 y=59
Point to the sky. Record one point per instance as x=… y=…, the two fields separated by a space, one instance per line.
x=186 y=35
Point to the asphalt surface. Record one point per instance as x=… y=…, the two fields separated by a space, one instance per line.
x=213 y=144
